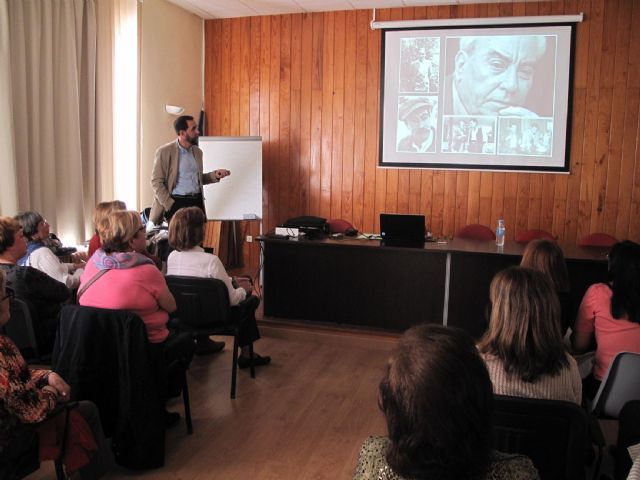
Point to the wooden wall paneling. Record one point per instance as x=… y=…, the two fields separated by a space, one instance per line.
x=591 y=120
x=497 y=198
x=327 y=115
x=306 y=75
x=535 y=202
x=295 y=205
x=613 y=204
x=315 y=100
x=473 y=197
x=375 y=178
x=273 y=162
x=283 y=171
x=235 y=59
x=337 y=131
x=348 y=151
x=244 y=107
x=486 y=193
x=225 y=74
x=265 y=79
x=462 y=200
x=316 y=113
x=522 y=205
x=359 y=161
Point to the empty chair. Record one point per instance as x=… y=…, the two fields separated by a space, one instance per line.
x=597 y=240
x=552 y=433
x=204 y=309
x=528 y=235
x=620 y=385
x=476 y=232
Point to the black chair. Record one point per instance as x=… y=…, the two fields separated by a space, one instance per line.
x=21 y=456
x=203 y=309
x=20 y=329
x=552 y=433
x=105 y=357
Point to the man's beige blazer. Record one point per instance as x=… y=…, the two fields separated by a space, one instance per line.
x=165 y=175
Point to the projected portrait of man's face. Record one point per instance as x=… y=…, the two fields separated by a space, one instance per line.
x=493 y=75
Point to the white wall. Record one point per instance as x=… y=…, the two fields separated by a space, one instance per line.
x=170 y=73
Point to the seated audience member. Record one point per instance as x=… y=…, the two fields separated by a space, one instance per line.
x=101 y=212
x=611 y=313
x=117 y=277
x=43 y=292
x=186 y=233
x=437 y=399
x=29 y=396
x=36 y=230
x=523 y=347
x=546 y=256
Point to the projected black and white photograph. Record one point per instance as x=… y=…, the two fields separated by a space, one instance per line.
x=496 y=75
x=469 y=135
x=480 y=97
x=420 y=64
x=525 y=136
x=416 y=126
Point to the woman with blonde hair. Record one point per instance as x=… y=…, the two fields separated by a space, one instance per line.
x=118 y=277
x=523 y=347
x=100 y=213
x=546 y=256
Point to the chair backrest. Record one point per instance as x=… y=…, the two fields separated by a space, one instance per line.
x=202 y=302
x=597 y=240
x=528 y=235
x=105 y=356
x=20 y=328
x=476 y=232
x=552 y=433
x=339 y=226
x=620 y=385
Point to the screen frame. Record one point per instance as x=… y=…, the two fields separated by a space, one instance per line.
x=564 y=169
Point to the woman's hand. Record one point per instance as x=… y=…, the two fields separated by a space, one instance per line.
x=61 y=387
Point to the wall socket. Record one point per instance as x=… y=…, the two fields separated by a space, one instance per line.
x=249 y=239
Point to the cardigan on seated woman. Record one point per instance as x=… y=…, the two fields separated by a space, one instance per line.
x=372 y=464
x=566 y=385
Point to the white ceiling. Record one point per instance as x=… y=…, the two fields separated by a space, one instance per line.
x=209 y=9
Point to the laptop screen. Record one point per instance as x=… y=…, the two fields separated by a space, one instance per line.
x=402 y=230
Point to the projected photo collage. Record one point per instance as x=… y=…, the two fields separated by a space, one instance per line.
x=490 y=103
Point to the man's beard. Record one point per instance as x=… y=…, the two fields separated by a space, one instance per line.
x=192 y=140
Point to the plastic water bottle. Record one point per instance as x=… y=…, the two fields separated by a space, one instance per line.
x=500 y=231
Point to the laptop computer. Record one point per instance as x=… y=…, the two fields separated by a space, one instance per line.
x=399 y=230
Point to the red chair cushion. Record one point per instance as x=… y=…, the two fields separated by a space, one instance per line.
x=476 y=232
x=597 y=240
x=528 y=235
x=339 y=226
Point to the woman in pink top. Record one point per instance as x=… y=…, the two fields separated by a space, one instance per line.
x=610 y=313
x=117 y=277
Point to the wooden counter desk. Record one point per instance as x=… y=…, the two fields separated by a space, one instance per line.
x=359 y=282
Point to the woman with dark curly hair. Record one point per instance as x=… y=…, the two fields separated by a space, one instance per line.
x=437 y=399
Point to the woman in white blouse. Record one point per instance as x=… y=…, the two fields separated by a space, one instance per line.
x=186 y=233
x=36 y=230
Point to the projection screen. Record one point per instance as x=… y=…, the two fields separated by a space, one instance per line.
x=495 y=98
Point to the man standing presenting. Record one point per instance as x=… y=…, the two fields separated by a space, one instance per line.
x=177 y=178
